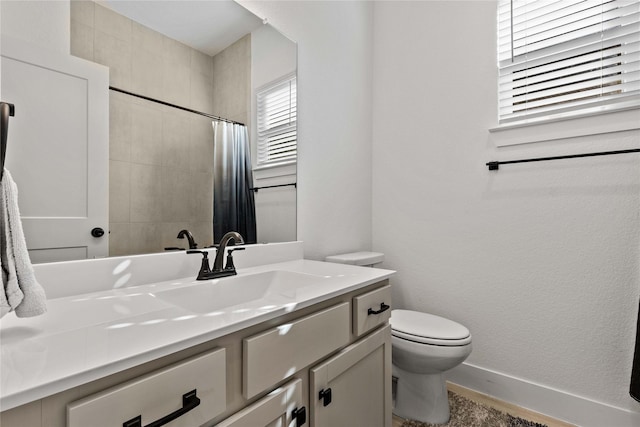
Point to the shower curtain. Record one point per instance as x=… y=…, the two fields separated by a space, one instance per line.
x=233 y=202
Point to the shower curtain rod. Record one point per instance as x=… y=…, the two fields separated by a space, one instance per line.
x=493 y=166
x=211 y=116
x=255 y=189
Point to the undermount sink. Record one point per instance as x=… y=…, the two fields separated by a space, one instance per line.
x=232 y=291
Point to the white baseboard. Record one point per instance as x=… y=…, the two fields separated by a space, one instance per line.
x=553 y=403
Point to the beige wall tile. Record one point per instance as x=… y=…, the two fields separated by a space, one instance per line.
x=176 y=195
x=109 y=22
x=81 y=43
x=201 y=135
x=119 y=239
x=145 y=238
x=115 y=54
x=146 y=133
x=201 y=193
x=176 y=141
x=201 y=65
x=144 y=38
x=231 y=79
x=176 y=82
x=119 y=191
x=176 y=51
x=146 y=73
x=82 y=11
x=201 y=94
x=120 y=130
x=146 y=193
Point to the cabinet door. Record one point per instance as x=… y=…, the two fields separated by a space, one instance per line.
x=353 y=388
x=277 y=409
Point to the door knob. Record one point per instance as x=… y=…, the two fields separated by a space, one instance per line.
x=97 y=232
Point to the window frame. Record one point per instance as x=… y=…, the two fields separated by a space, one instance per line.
x=262 y=136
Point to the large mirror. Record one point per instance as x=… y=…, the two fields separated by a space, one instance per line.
x=182 y=75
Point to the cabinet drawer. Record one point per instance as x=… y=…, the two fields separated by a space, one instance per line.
x=278 y=408
x=371 y=309
x=158 y=394
x=278 y=353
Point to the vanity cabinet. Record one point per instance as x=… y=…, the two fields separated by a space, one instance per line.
x=274 y=373
x=282 y=407
x=188 y=393
x=353 y=387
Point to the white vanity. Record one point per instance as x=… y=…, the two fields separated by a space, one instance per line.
x=286 y=342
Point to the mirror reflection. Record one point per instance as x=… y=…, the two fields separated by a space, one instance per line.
x=202 y=134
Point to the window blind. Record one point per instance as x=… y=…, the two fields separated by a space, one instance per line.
x=560 y=58
x=277 y=134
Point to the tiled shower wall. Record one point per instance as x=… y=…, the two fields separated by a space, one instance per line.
x=161 y=158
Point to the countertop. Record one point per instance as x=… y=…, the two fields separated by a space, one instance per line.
x=86 y=337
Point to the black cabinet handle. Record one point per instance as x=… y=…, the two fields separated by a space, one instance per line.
x=300 y=415
x=189 y=402
x=325 y=396
x=383 y=307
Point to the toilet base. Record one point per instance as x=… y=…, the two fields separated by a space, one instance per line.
x=421 y=397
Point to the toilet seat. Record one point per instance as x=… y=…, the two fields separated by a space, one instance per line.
x=427 y=328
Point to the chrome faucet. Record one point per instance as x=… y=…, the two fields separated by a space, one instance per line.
x=219 y=270
x=186 y=233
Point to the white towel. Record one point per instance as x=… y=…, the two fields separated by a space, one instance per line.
x=22 y=292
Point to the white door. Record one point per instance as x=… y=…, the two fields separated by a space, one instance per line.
x=58 y=149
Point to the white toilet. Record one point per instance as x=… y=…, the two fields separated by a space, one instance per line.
x=424 y=346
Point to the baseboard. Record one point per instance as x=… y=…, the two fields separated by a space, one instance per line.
x=554 y=403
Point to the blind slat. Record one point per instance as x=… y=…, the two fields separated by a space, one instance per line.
x=567 y=56
x=276 y=122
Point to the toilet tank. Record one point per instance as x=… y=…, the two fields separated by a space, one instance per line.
x=368 y=259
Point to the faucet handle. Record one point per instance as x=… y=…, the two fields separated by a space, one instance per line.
x=205 y=269
x=230 y=265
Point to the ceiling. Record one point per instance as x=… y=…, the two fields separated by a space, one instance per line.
x=209 y=26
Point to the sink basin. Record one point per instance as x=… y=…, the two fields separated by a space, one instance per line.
x=232 y=291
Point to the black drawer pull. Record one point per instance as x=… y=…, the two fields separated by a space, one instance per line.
x=299 y=415
x=189 y=402
x=383 y=307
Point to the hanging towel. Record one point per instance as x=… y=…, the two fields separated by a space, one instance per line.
x=22 y=293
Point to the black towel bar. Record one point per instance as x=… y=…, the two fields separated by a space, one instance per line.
x=495 y=165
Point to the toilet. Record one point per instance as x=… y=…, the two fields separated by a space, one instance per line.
x=364 y=259
x=425 y=346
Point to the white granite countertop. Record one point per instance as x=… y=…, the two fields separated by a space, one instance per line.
x=89 y=336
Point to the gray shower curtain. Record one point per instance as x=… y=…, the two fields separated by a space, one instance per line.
x=233 y=201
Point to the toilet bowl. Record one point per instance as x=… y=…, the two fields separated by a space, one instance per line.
x=424 y=346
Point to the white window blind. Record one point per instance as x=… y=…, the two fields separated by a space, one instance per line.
x=561 y=58
x=277 y=136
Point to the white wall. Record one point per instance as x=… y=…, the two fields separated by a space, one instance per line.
x=539 y=260
x=334 y=119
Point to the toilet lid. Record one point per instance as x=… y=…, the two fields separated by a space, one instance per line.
x=427 y=328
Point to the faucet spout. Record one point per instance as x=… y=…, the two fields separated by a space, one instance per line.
x=228 y=239
x=186 y=233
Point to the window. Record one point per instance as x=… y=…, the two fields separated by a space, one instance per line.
x=277 y=136
x=564 y=58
